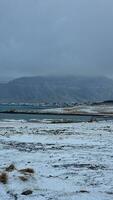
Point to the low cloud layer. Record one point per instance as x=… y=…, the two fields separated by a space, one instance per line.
x=60 y=37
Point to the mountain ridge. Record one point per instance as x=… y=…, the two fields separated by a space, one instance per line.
x=57 y=89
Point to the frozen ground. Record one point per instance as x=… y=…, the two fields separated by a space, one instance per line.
x=86 y=109
x=71 y=161
x=91 y=109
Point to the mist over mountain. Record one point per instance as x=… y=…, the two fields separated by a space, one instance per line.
x=57 y=89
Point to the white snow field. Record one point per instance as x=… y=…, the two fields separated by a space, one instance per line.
x=70 y=161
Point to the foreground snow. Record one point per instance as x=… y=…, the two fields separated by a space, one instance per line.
x=71 y=161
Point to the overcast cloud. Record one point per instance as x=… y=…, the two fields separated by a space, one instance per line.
x=45 y=37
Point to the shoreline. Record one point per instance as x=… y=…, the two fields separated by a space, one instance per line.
x=59 y=113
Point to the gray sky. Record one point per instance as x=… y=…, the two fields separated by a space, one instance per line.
x=45 y=37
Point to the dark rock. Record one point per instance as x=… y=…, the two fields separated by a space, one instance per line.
x=27 y=192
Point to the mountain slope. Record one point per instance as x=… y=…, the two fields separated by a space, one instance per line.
x=57 y=89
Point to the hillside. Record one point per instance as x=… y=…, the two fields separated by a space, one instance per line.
x=57 y=89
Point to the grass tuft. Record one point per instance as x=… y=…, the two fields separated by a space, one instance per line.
x=10 y=168
x=23 y=178
x=3 y=177
x=27 y=170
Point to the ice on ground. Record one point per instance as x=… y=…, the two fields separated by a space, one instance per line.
x=71 y=161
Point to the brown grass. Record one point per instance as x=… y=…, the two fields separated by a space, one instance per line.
x=10 y=168
x=3 y=177
x=27 y=170
x=23 y=178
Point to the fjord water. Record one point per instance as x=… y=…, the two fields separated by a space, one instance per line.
x=28 y=117
x=22 y=106
x=38 y=117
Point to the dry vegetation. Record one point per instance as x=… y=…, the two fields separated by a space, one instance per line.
x=3 y=177
x=10 y=168
x=23 y=178
x=27 y=171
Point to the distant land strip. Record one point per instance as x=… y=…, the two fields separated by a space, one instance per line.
x=58 y=113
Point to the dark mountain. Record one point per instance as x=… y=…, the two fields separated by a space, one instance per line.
x=57 y=89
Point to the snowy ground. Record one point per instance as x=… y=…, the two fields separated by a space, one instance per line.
x=71 y=161
x=91 y=109
x=88 y=109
